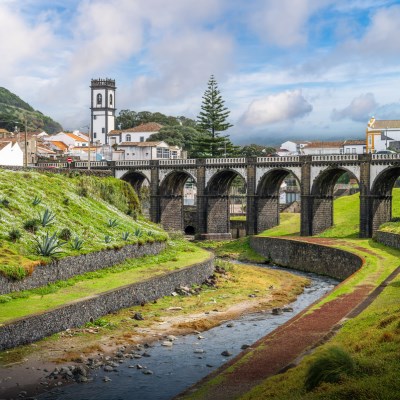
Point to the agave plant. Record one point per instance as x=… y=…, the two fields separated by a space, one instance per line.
x=138 y=232
x=125 y=235
x=31 y=225
x=112 y=223
x=37 y=200
x=107 y=239
x=76 y=243
x=48 y=245
x=47 y=217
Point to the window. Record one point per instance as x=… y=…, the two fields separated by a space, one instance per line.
x=103 y=130
x=99 y=99
x=142 y=138
x=341 y=151
x=348 y=150
x=174 y=154
x=111 y=99
x=94 y=116
x=162 y=152
x=128 y=138
x=353 y=150
x=94 y=135
x=370 y=140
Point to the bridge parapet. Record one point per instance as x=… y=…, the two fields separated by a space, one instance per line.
x=392 y=156
x=240 y=160
x=132 y=163
x=94 y=164
x=178 y=161
x=53 y=165
x=284 y=159
x=336 y=157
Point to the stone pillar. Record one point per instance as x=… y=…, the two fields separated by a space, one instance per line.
x=251 y=210
x=201 y=200
x=155 y=215
x=306 y=218
x=218 y=215
x=366 y=201
x=171 y=212
x=322 y=213
x=381 y=211
x=267 y=212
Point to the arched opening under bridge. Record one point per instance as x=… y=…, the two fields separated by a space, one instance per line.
x=141 y=185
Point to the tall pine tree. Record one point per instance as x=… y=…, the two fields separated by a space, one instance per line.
x=213 y=120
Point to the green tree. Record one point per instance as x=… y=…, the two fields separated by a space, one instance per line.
x=256 y=150
x=213 y=120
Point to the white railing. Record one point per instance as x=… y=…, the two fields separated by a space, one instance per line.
x=336 y=157
x=241 y=160
x=278 y=159
x=178 y=161
x=132 y=163
x=53 y=165
x=84 y=164
x=392 y=156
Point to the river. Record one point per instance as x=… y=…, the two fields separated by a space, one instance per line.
x=176 y=368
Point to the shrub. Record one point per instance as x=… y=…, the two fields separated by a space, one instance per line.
x=77 y=243
x=48 y=245
x=14 y=235
x=83 y=191
x=112 y=223
x=65 y=234
x=125 y=235
x=107 y=239
x=47 y=217
x=31 y=225
x=329 y=366
x=37 y=200
x=5 y=299
x=14 y=273
x=5 y=203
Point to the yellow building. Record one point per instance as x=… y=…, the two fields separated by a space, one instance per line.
x=383 y=135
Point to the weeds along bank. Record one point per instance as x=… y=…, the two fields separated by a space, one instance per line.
x=46 y=217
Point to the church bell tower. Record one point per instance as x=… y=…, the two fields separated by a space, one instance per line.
x=102 y=109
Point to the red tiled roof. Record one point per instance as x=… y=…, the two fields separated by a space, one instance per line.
x=323 y=144
x=139 y=144
x=386 y=124
x=60 y=145
x=75 y=137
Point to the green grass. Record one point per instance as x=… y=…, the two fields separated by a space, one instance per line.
x=82 y=204
x=178 y=254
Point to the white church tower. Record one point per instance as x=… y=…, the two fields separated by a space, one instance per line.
x=102 y=109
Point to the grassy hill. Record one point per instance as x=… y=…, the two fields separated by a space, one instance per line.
x=100 y=212
x=14 y=110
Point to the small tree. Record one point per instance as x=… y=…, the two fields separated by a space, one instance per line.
x=213 y=120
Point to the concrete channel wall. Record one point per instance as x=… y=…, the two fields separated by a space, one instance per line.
x=68 y=267
x=308 y=257
x=37 y=326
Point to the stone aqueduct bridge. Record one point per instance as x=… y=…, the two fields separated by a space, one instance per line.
x=317 y=175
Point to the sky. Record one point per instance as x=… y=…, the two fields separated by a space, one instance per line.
x=287 y=69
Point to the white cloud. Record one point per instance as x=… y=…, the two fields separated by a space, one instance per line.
x=360 y=109
x=281 y=107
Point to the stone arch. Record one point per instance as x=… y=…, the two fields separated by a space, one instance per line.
x=268 y=196
x=136 y=179
x=171 y=200
x=217 y=213
x=381 y=199
x=320 y=208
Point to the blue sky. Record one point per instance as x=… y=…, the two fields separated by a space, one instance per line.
x=314 y=69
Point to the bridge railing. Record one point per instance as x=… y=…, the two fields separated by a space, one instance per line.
x=335 y=157
x=178 y=161
x=53 y=165
x=278 y=159
x=132 y=163
x=94 y=164
x=239 y=160
x=392 y=156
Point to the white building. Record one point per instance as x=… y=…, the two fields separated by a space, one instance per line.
x=383 y=135
x=139 y=133
x=69 y=139
x=292 y=147
x=11 y=153
x=145 y=151
x=102 y=109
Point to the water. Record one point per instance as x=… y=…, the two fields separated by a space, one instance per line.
x=180 y=366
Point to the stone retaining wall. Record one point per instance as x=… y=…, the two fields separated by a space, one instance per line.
x=388 y=239
x=37 y=326
x=68 y=267
x=308 y=257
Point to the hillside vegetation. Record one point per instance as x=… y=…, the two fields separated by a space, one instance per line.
x=75 y=214
x=14 y=111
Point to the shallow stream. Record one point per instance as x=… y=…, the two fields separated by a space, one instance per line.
x=176 y=368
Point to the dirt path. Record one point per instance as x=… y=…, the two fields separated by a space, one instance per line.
x=284 y=347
